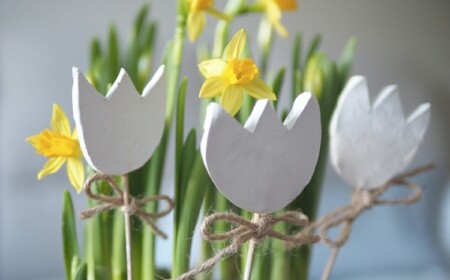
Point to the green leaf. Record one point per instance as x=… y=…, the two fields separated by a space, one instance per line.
x=139 y=21
x=93 y=73
x=149 y=37
x=345 y=62
x=296 y=65
x=98 y=230
x=113 y=54
x=277 y=84
x=195 y=192
x=179 y=133
x=145 y=61
x=279 y=254
x=298 y=83
x=69 y=234
x=96 y=50
x=153 y=178
x=313 y=47
x=81 y=272
x=133 y=49
x=188 y=158
x=173 y=67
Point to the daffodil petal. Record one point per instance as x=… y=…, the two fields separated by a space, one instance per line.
x=34 y=140
x=75 y=173
x=236 y=45
x=280 y=29
x=212 y=87
x=273 y=11
x=51 y=166
x=60 y=122
x=75 y=134
x=195 y=24
x=212 y=67
x=231 y=99
x=259 y=90
x=274 y=14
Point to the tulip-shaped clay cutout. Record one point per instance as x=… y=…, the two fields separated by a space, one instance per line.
x=264 y=165
x=370 y=144
x=118 y=133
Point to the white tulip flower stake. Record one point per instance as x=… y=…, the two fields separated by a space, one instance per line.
x=264 y=165
x=260 y=167
x=381 y=140
x=118 y=134
x=369 y=145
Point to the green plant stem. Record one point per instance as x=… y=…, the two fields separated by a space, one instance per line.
x=266 y=48
x=69 y=235
x=207 y=248
x=280 y=264
x=118 y=259
x=228 y=268
x=93 y=246
x=232 y=8
x=148 y=269
x=262 y=264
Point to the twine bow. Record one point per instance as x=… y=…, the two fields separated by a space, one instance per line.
x=363 y=200
x=249 y=230
x=133 y=207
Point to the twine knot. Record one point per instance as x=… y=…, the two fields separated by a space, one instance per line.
x=257 y=230
x=362 y=199
x=264 y=225
x=129 y=205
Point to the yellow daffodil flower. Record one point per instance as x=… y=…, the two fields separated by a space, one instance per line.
x=273 y=10
x=231 y=76
x=60 y=146
x=196 y=19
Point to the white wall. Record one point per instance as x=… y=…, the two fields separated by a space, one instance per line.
x=402 y=42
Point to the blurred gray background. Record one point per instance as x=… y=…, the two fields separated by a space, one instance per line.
x=399 y=41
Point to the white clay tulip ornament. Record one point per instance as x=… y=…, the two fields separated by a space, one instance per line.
x=264 y=165
x=370 y=144
x=118 y=133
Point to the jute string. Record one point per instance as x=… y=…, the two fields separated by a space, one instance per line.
x=134 y=207
x=245 y=231
x=361 y=201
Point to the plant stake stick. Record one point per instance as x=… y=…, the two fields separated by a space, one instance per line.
x=251 y=251
x=126 y=204
x=330 y=264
